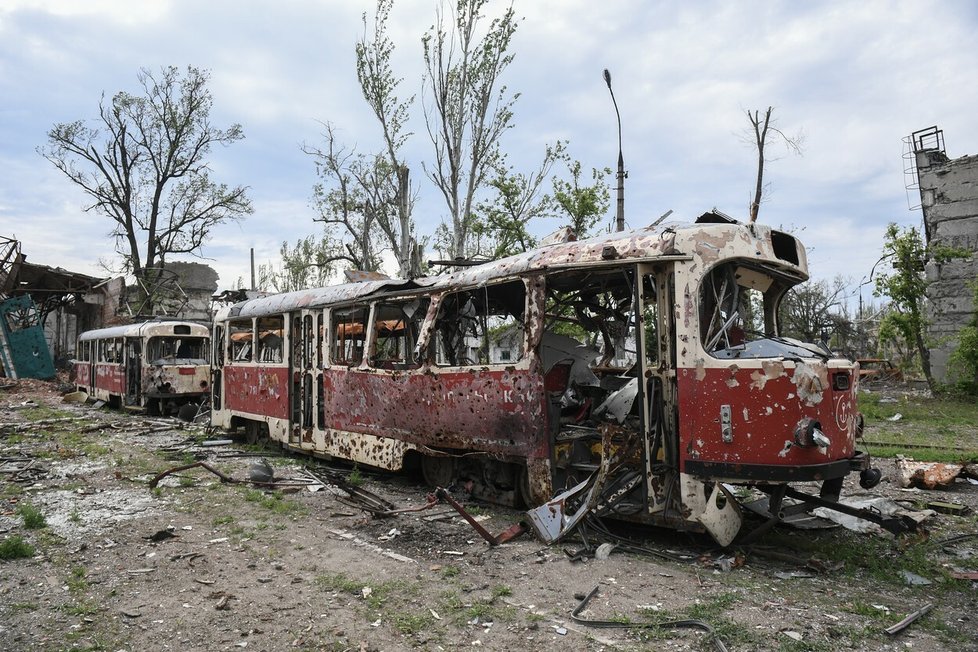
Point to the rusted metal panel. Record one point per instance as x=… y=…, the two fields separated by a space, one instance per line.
x=110 y=377
x=259 y=390
x=161 y=381
x=494 y=410
x=768 y=403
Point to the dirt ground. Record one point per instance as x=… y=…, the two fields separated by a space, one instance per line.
x=199 y=564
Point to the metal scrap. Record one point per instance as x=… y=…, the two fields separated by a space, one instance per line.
x=508 y=534
x=903 y=624
x=669 y=624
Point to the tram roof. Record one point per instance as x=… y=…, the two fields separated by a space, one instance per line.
x=711 y=232
x=146 y=328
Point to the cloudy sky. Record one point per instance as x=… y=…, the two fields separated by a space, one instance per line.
x=854 y=77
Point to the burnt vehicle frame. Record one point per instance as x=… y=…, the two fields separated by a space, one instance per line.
x=634 y=374
x=156 y=365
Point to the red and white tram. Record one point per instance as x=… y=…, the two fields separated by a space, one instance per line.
x=640 y=372
x=156 y=365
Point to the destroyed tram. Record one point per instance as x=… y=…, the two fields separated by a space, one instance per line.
x=635 y=374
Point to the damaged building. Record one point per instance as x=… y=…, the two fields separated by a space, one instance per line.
x=949 y=201
x=46 y=308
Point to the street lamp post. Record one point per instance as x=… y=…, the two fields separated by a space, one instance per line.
x=620 y=216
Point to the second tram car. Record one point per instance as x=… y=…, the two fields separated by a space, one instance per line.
x=639 y=373
x=156 y=365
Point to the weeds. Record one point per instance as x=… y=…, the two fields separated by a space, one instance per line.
x=15 y=548
x=33 y=518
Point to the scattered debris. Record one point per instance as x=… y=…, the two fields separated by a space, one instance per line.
x=964 y=575
x=955 y=509
x=604 y=551
x=512 y=532
x=882 y=507
x=669 y=624
x=912 y=579
x=926 y=475
x=369 y=546
x=903 y=624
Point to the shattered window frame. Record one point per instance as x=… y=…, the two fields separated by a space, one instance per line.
x=396 y=328
x=737 y=305
x=271 y=340
x=347 y=348
x=469 y=319
x=240 y=341
x=596 y=307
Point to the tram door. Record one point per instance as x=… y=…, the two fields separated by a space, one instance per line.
x=654 y=312
x=306 y=351
x=134 y=372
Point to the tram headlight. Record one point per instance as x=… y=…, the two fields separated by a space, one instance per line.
x=809 y=433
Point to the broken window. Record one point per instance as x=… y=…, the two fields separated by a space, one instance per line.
x=240 y=336
x=475 y=326
x=110 y=350
x=736 y=310
x=167 y=350
x=348 y=330
x=596 y=309
x=270 y=331
x=397 y=324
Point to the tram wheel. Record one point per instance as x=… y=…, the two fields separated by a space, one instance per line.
x=523 y=486
x=252 y=432
x=439 y=471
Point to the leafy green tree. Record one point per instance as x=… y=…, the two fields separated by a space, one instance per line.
x=307 y=265
x=144 y=165
x=906 y=321
x=583 y=205
x=503 y=219
x=963 y=362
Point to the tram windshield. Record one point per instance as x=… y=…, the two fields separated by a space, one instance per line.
x=738 y=307
x=167 y=350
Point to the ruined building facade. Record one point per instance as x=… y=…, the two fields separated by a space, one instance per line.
x=949 y=201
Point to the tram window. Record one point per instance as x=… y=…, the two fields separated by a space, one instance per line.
x=596 y=308
x=166 y=349
x=736 y=312
x=476 y=326
x=397 y=325
x=240 y=336
x=219 y=346
x=348 y=329
x=270 y=338
x=110 y=350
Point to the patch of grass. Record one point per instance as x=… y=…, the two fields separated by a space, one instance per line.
x=33 y=518
x=273 y=501
x=927 y=426
x=449 y=572
x=712 y=607
x=222 y=520
x=42 y=412
x=77 y=581
x=15 y=547
x=412 y=623
x=377 y=593
x=356 y=477
x=23 y=606
x=75 y=517
x=501 y=591
x=339 y=582
x=81 y=608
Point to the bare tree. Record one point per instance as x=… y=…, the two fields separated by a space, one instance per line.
x=466 y=111
x=379 y=86
x=762 y=129
x=351 y=200
x=145 y=166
